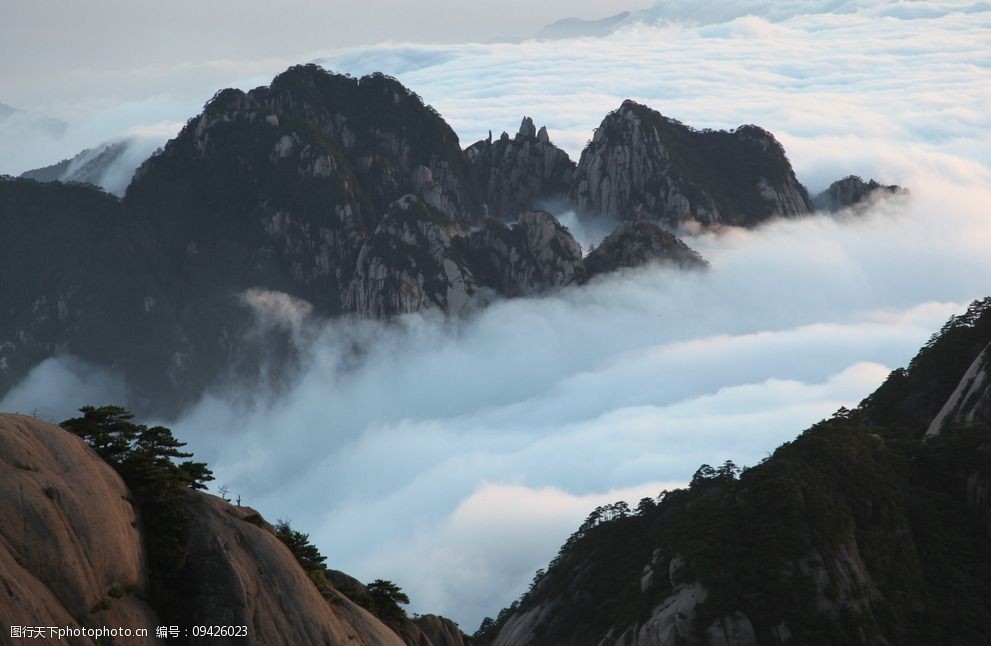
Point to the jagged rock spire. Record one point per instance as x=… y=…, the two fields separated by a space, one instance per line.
x=527 y=129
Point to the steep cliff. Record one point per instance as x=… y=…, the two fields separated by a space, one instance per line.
x=970 y=401
x=519 y=174
x=860 y=531
x=409 y=264
x=417 y=260
x=642 y=165
x=238 y=573
x=73 y=550
x=70 y=544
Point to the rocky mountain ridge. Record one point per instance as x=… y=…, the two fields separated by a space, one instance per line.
x=866 y=529
x=338 y=196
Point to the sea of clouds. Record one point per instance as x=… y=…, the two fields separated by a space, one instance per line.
x=455 y=456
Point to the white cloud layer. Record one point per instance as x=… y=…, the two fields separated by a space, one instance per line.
x=455 y=457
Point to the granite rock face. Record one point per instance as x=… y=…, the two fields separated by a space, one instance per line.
x=282 y=184
x=638 y=243
x=970 y=401
x=535 y=254
x=519 y=174
x=72 y=550
x=70 y=544
x=433 y=630
x=239 y=573
x=852 y=191
x=409 y=264
x=642 y=165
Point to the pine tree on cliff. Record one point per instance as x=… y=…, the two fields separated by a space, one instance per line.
x=146 y=458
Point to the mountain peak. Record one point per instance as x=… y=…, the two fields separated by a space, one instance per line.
x=519 y=174
x=643 y=165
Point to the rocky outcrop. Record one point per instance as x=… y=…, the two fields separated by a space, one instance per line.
x=72 y=554
x=519 y=627
x=535 y=254
x=238 y=573
x=970 y=400
x=642 y=165
x=280 y=187
x=433 y=630
x=409 y=264
x=519 y=174
x=852 y=191
x=673 y=618
x=638 y=243
x=422 y=630
x=388 y=140
x=418 y=260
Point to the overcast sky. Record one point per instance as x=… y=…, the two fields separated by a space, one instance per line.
x=53 y=47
